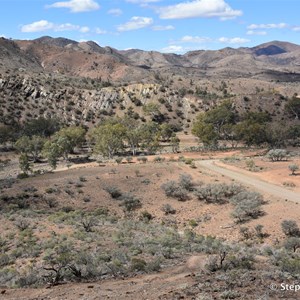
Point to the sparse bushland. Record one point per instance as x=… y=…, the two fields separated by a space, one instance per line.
x=66 y=257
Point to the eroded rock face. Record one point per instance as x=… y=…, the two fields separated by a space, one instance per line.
x=23 y=98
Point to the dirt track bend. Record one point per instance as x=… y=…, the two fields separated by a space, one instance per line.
x=258 y=184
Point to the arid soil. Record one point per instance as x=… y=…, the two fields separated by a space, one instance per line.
x=145 y=180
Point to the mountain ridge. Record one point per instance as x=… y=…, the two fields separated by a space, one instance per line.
x=88 y=59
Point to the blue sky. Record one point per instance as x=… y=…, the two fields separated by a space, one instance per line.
x=162 y=25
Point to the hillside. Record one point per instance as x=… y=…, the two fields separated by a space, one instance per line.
x=82 y=82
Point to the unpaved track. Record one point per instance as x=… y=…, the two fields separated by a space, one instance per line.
x=258 y=184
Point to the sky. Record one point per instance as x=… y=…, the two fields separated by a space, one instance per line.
x=176 y=26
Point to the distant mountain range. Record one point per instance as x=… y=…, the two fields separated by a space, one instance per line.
x=274 y=60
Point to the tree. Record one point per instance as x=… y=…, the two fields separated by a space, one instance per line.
x=108 y=138
x=292 y=107
x=166 y=131
x=41 y=126
x=294 y=133
x=205 y=132
x=32 y=146
x=68 y=138
x=150 y=133
x=133 y=134
x=23 y=144
x=24 y=163
x=252 y=129
x=229 y=133
x=257 y=117
x=221 y=115
x=37 y=144
x=215 y=124
x=6 y=134
x=174 y=143
x=251 y=133
x=277 y=134
x=52 y=152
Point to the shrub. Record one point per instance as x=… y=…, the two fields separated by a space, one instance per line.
x=173 y=189
x=130 y=202
x=277 y=154
x=259 y=231
x=247 y=206
x=158 y=159
x=114 y=192
x=119 y=160
x=289 y=184
x=22 y=224
x=146 y=216
x=22 y=176
x=293 y=168
x=292 y=243
x=186 y=182
x=51 y=202
x=88 y=222
x=291 y=265
x=4 y=260
x=218 y=192
x=153 y=266
x=138 y=264
x=193 y=223
x=146 y=181
x=230 y=294
x=143 y=159
x=250 y=164
x=189 y=161
x=290 y=228
x=82 y=179
x=129 y=159
x=168 y=209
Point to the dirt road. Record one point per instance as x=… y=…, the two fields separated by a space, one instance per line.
x=250 y=180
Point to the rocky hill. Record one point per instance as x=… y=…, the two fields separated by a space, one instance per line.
x=81 y=82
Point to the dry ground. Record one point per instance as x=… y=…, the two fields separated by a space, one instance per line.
x=144 y=181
